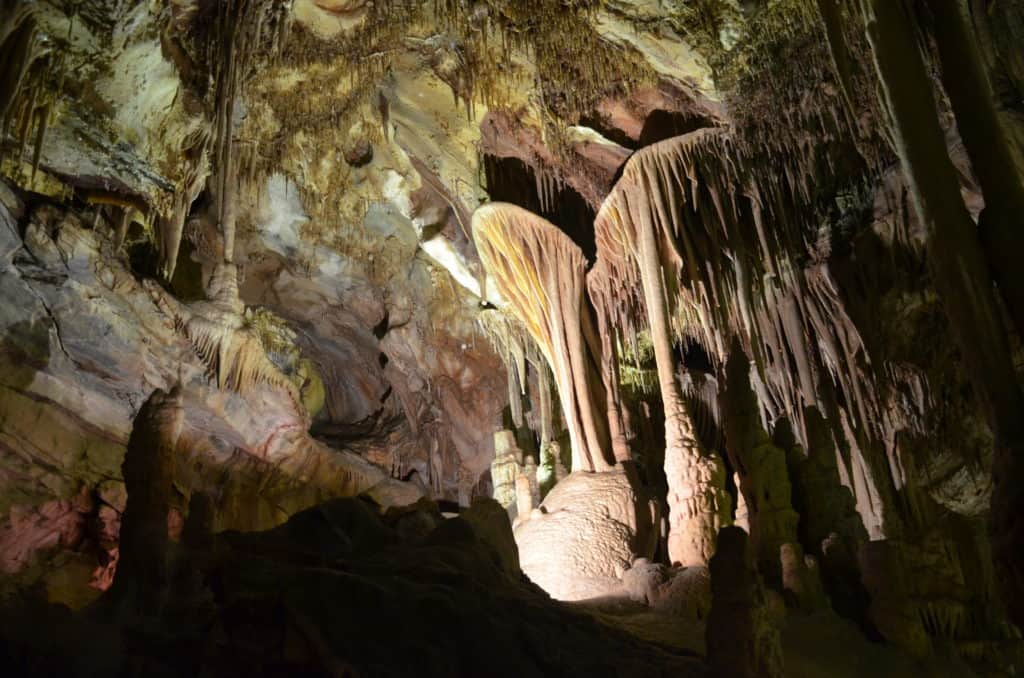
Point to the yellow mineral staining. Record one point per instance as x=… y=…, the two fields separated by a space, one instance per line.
x=540 y=274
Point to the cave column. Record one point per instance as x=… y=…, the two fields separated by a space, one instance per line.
x=960 y=274
x=695 y=481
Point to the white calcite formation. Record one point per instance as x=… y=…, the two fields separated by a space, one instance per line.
x=586 y=533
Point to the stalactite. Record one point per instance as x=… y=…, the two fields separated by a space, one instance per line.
x=236 y=36
x=30 y=65
x=966 y=82
x=540 y=273
x=960 y=274
x=173 y=226
x=832 y=17
x=546 y=419
x=731 y=244
x=609 y=353
x=121 y=230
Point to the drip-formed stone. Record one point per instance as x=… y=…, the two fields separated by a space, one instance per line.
x=505 y=469
x=584 y=536
x=743 y=626
x=540 y=274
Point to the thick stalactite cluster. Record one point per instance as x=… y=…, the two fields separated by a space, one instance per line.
x=723 y=238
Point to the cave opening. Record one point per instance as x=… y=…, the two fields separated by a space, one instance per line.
x=660 y=125
x=513 y=181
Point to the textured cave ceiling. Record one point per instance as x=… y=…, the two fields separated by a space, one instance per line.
x=607 y=279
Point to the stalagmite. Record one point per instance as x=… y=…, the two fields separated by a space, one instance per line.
x=540 y=273
x=524 y=495
x=960 y=274
x=761 y=468
x=743 y=636
x=148 y=470
x=505 y=469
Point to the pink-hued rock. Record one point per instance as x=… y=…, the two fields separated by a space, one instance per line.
x=59 y=523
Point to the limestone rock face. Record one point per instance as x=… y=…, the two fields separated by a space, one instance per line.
x=71 y=381
x=585 y=534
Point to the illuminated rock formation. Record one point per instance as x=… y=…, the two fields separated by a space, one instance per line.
x=587 y=533
x=505 y=469
x=635 y=240
x=540 y=274
x=262 y=368
x=597 y=520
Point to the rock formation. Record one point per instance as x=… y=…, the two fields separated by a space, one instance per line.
x=540 y=273
x=743 y=637
x=525 y=337
x=632 y=240
x=762 y=475
x=148 y=470
x=588 y=531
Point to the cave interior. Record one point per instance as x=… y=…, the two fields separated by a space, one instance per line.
x=512 y=338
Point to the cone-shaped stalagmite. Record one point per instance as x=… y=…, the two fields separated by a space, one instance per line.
x=148 y=469
x=634 y=236
x=960 y=272
x=540 y=273
x=761 y=468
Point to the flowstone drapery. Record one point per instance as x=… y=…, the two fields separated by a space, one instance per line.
x=540 y=274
